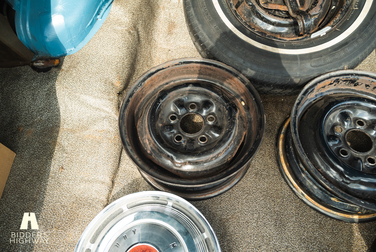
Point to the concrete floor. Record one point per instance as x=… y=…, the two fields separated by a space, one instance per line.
x=70 y=163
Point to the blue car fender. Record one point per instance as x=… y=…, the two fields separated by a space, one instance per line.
x=56 y=28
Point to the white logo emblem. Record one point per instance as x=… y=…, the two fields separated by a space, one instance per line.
x=29 y=217
x=33 y=236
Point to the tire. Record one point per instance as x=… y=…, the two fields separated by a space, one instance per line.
x=278 y=66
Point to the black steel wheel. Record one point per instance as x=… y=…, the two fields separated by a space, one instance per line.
x=192 y=127
x=327 y=151
x=280 y=45
x=149 y=222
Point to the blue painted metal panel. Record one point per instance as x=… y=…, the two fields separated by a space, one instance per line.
x=55 y=28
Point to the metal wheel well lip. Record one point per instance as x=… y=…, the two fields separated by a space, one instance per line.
x=61 y=30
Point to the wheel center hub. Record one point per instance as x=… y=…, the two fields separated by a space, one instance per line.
x=192 y=123
x=191 y=120
x=359 y=141
x=350 y=134
x=142 y=248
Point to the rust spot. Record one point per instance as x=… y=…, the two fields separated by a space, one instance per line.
x=336 y=200
x=290 y=19
x=273 y=6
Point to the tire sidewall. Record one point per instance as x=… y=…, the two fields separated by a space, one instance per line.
x=278 y=69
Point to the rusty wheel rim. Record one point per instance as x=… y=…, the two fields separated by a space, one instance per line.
x=192 y=126
x=279 y=21
x=309 y=190
x=317 y=151
x=230 y=116
x=201 y=192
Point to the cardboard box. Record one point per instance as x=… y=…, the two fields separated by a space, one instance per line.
x=6 y=161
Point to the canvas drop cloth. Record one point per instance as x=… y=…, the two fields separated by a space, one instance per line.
x=63 y=125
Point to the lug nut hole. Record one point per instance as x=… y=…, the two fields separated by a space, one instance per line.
x=210 y=118
x=192 y=106
x=371 y=161
x=203 y=139
x=178 y=138
x=173 y=118
x=338 y=129
x=344 y=153
x=360 y=123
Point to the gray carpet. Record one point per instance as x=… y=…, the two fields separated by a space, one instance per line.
x=70 y=163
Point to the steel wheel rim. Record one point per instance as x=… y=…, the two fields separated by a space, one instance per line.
x=182 y=138
x=149 y=221
x=202 y=192
x=276 y=22
x=314 y=124
x=251 y=109
x=308 y=190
